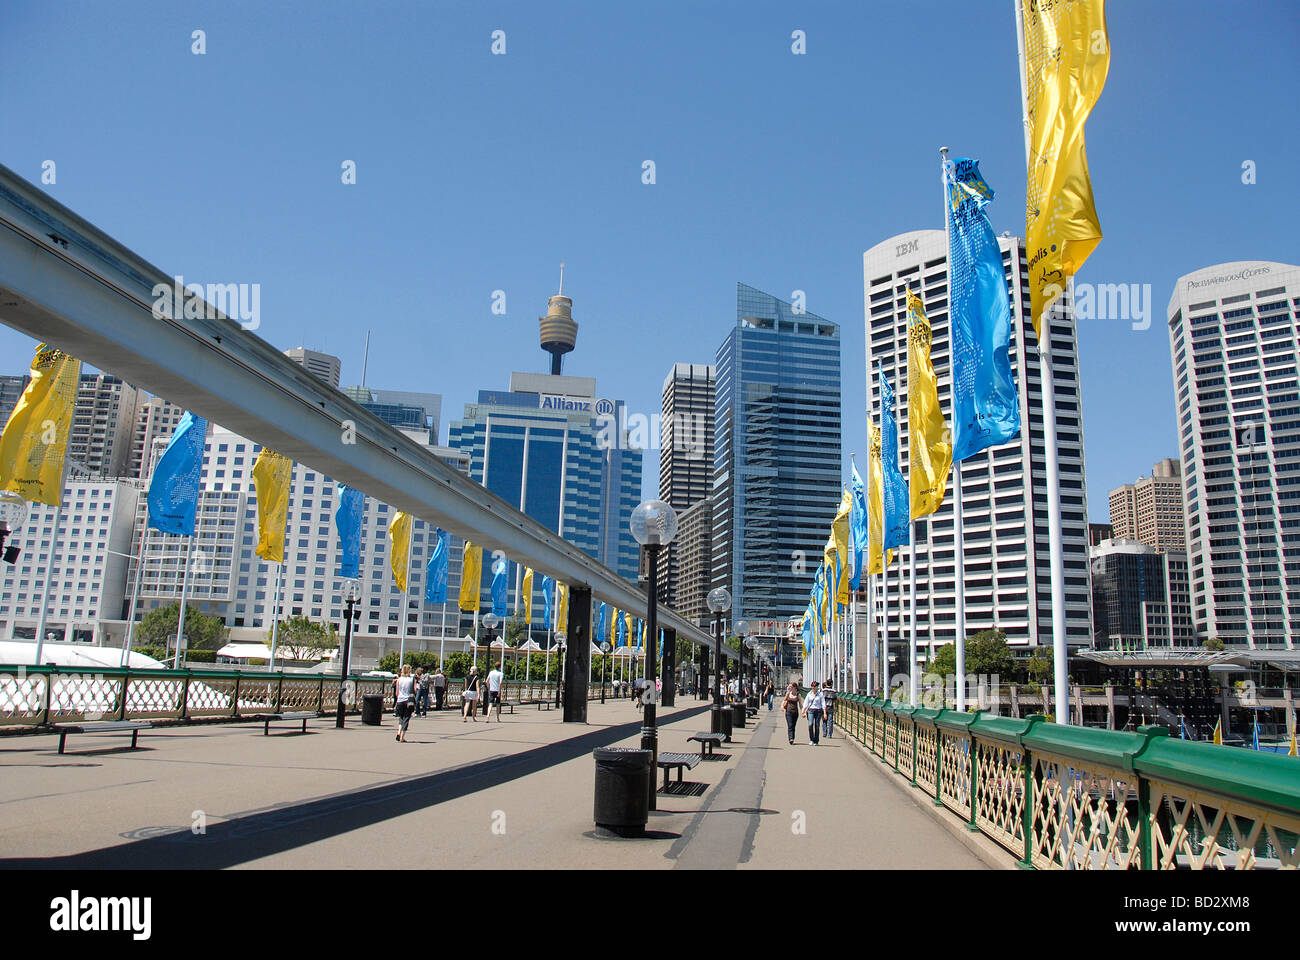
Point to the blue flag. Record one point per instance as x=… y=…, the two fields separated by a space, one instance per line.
x=499 y=586
x=985 y=410
x=602 y=626
x=858 y=527
x=174 y=489
x=548 y=591
x=621 y=627
x=898 y=506
x=347 y=520
x=435 y=573
x=808 y=616
x=661 y=644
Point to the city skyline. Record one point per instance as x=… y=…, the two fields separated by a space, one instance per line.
x=645 y=257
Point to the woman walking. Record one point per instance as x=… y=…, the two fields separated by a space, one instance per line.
x=814 y=706
x=404 y=695
x=769 y=693
x=791 y=707
x=470 y=695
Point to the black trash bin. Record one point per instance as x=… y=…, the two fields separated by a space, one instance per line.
x=622 y=790
x=738 y=716
x=720 y=720
x=372 y=709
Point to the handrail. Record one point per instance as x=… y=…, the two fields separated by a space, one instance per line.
x=1067 y=797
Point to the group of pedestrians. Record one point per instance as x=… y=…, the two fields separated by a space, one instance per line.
x=818 y=707
x=487 y=691
x=412 y=691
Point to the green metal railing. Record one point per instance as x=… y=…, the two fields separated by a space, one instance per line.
x=1065 y=797
x=37 y=696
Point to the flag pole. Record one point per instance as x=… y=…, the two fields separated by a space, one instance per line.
x=959 y=547
x=49 y=566
x=913 y=685
x=279 y=573
x=1051 y=452
x=442 y=635
x=406 y=590
x=185 y=584
x=135 y=593
x=275 y=616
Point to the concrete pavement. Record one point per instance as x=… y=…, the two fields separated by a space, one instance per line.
x=518 y=794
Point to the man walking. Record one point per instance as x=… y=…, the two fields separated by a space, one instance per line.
x=422 y=681
x=828 y=695
x=494 y=678
x=439 y=688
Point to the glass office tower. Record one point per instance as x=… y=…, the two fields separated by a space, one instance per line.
x=777 y=476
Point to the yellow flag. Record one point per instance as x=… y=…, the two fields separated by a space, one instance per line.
x=399 y=539
x=1218 y=731
x=628 y=627
x=840 y=533
x=272 y=478
x=613 y=628
x=471 y=576
x=1292 y=751
x=528 y=595
x=562 y=611
x=829 y=583
x=1067 y=55
x=35 y=440
x=875 y=501
x=931 y=440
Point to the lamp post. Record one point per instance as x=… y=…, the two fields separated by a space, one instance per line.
x=654 y=524
x=560 y=637
x=490 y=620
x=351 y=594
x=752 y=643
x=13 y=511
x=719 y=603
x=742 y=630
x=604 y=667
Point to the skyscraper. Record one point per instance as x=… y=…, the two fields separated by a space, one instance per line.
x=103 y=425
x=325 y=366
x=156 y=418
x=1139 y=597
x=1232 y=339
x=1151 y=510
x=685 y=454
x=777 y=471
x=1007 y=570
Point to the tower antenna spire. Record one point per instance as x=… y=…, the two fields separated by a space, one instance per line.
x=561 y=293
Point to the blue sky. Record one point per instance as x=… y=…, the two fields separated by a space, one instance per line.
x=478 y=173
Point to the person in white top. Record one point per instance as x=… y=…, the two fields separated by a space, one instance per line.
x=814 y=705
x=404 y=701
x=494 y=678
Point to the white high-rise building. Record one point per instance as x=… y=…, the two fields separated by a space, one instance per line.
x=1007 y=571
x=156 y=418
x=326 y=366
x=103 y=424
x=229 y=580
x=1232 y=338
x=90 y=565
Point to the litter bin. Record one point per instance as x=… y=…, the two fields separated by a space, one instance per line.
x=372 y=709
x=622 y=790
x=738 y=716
x=720 y=720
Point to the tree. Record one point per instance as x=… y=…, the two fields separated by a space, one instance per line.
x=424 y=659
x=457 y=664
x=301 y=638
x=1213 y=643
x=1039 y=667
x=158 y=627
x=987 y=653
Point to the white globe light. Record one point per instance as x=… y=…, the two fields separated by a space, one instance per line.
x=351 y=590
x=13 y=511
x=490 y=620
x=654 y=523
x=719 y=599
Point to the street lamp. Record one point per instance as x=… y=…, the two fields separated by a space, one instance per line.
x=742 y=629
x=604 y=667
x=560 y=637
x=752 y=643
x=654 y=524
x=490 y=620
x=719 y=602
x=351 y=594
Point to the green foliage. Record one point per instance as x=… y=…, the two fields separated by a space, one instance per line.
x=987 y=652
x=159 y=628
x=151 y=650
x=458 y=664
x=1039 y=668
x=200 y=656
x=1213 y=643
x=301 y=638
x=414 y=658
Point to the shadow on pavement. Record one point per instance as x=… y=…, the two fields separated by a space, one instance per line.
x=263 y=833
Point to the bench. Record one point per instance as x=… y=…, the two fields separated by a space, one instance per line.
x=103 y=726
x=511 y=704
x=707 y=740
x=544 y=703
x=667 y=761
x=267 y=718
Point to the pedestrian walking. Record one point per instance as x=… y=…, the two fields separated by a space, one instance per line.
x=439 y=688
x=814 y=707
x=791 y=707
x=494 y=678
x=470 y=695
x=828 y=723
x=404 y=697
x=769 y=694
x=422 y=680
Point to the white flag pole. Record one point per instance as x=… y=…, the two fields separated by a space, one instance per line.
x=185 y=584
x=913 y=685
x=1051 y=452
x=275 y=616
x=406 y=589
x=49 y=572
x=135 y=594
x=959 y=565
x=442 y=637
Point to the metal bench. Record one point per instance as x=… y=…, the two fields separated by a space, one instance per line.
x=707 y=741
x=511 y=704
x=103 y=726
x=267 y=718
x=667 y=761
x=544 y=703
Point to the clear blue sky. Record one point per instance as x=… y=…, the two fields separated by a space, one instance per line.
x=478 y=172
